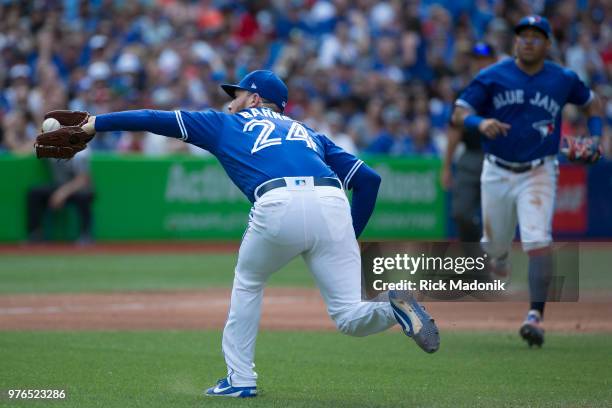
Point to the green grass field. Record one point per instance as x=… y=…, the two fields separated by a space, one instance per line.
x=117 y=272
x=170 y=369
x=109 y=272
x=297 y=369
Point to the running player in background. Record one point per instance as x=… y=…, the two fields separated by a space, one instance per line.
x=516 y=105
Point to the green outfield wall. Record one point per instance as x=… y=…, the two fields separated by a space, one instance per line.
x=144 y=198
x=410 y=202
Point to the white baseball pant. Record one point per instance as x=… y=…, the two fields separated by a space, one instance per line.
x=314 y=222
x=508 y=197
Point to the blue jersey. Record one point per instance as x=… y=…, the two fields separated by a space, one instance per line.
x=258 y=144
x=531 y=104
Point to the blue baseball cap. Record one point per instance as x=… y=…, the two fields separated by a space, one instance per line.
x=483 y=49
x=265 y=83
x=535 y=21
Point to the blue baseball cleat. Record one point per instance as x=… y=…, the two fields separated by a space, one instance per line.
x=224 y=388
x=415 y=321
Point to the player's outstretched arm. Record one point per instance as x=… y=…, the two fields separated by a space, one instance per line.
x=464 y=118
x=365 y=184
x=165 y=123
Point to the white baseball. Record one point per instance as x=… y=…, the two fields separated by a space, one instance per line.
x=50 y=125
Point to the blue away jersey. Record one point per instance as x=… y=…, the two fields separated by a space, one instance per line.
x=531 y=104
x=258 y=144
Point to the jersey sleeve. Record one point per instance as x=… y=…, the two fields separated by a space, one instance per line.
x=579 y=93
x=475 y=96
x=159 y=122
x=344 y=164
x=202 y=129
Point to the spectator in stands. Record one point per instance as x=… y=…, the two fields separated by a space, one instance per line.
x=392 y=138
x=420 y=142
x=337 y=134
x=19 y=132
x=584 y=59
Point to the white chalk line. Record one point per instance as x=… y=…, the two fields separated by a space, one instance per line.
x=138 y=306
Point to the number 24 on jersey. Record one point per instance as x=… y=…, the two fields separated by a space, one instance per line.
x=297 y=132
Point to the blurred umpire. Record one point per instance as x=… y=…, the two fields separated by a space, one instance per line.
x=466 y=185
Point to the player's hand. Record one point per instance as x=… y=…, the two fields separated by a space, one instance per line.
x=446 y=178
x=493 y=128
x=58 y=199
x=90 y=126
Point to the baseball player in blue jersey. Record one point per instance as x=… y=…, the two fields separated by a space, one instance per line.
x=516 y=105
x=296 y=179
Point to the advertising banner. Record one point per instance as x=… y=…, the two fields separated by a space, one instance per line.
x=182 y=197
x=193 y=198
x=410 y=201
x=571 y=204
x=162 y=198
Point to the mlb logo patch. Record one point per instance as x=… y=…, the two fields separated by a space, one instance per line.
x=299 y=183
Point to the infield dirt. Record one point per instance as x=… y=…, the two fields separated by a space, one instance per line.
x=284 y=309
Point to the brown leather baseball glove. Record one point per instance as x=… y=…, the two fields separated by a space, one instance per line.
x=68 y=140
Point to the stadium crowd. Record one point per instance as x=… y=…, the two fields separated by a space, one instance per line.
x=376 y=76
